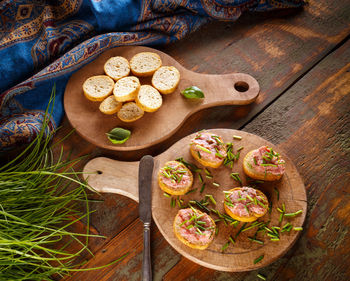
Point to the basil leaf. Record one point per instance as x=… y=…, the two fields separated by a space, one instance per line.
x=193 y=92
x=118 y=135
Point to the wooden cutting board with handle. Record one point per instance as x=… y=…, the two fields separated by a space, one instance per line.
x=111 y=176
x=152 y=128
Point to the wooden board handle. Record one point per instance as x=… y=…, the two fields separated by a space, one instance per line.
x=111 y=176
x=224 y=89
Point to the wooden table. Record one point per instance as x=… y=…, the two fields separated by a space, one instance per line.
x=301 y=61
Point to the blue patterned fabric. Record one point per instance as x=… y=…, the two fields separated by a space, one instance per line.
x=43 y=42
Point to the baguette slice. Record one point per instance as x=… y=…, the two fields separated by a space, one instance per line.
x=145 y=64
x=126 y=89
x=148 y=98
x=130 y=112
x=253 y=167
x=97 y=88
x=178 y=170
x=110 y=105
x=233 y=212
x=117 y=67
x=166 y=79
x=189 y=235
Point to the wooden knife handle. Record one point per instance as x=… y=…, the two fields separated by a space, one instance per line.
x=146 y=263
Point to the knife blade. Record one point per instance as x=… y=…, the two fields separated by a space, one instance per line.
x=145 y=211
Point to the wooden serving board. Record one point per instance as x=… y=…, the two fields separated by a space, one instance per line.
x=107 y=175
x=152 y=128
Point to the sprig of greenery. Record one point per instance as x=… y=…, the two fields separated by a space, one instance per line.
x=38 y=207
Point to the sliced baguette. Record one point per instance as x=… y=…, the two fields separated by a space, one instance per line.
x=117 y=67
x=109 y=105
x=197 y=244
x=130 y=112
x=145 y=64
x=175 y=188
x=97 y=88
x=148 y=98
x=166 y=79
x=126 y=89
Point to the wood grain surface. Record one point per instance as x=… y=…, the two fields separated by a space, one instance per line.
x=301 y=63
x=107 y=175
x=85 y=116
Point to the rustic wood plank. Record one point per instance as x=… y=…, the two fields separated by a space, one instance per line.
x=311 y=122
x=275 y=51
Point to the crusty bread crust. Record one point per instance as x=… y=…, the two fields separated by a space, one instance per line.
x=117 y=67
x=250 y=218
x=97 y=88
x=250 y=172
x=169 y=189
x=145 y=64
x=130 y=112
x=126 y=89
x=186 y=242
x=165 y=79
x=109 y=105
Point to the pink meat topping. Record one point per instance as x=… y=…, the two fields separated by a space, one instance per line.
x=187 y=226
x=241 y=202
x=175 y=175
x=265 y=159
x=209 y=146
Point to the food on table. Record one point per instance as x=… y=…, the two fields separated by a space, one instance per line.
x=175 y=178
x=245 y=204
x=194 y=228
x=166 y=79
x=145 y=63
x=126 y=89
x=109 y=105
x=117 y=67
x=148 y=98
x=130 y=112
x=97 y=88
x=118 y=135
x=264 y=164
x=193 y=92
x=208 y=149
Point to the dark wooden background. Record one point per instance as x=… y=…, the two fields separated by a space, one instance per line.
x=302 y=61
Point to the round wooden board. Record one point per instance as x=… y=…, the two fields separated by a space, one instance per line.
x=119 y=177
x=152 y=128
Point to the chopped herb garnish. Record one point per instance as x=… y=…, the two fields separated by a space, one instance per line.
x=225 y=246
x=262 y=277
x=191 y=190
x=216 y=184
x=289 y=215
x=203 y=148
x=258 y=259
x=256 y=240
x=199 y=154
x=166 y=195
x=202 y=188
x=237 y=137
x=298 y=228
x=277 y=193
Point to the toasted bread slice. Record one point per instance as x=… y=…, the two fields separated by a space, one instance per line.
x=260 y=204
x=194 y=237
x=166 y=79
x=130 y=112
x=97 y=88
x=208 y=149
x=126 y=89
x=256 y=169
x=145 y=64
x=148 y=98
x=117 y=67
x=175 y=178
x=109 y=105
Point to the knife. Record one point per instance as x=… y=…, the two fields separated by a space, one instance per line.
x=145 y=211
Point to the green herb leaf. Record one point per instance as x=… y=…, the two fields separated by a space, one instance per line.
x=193 y=92
x=118 y=135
